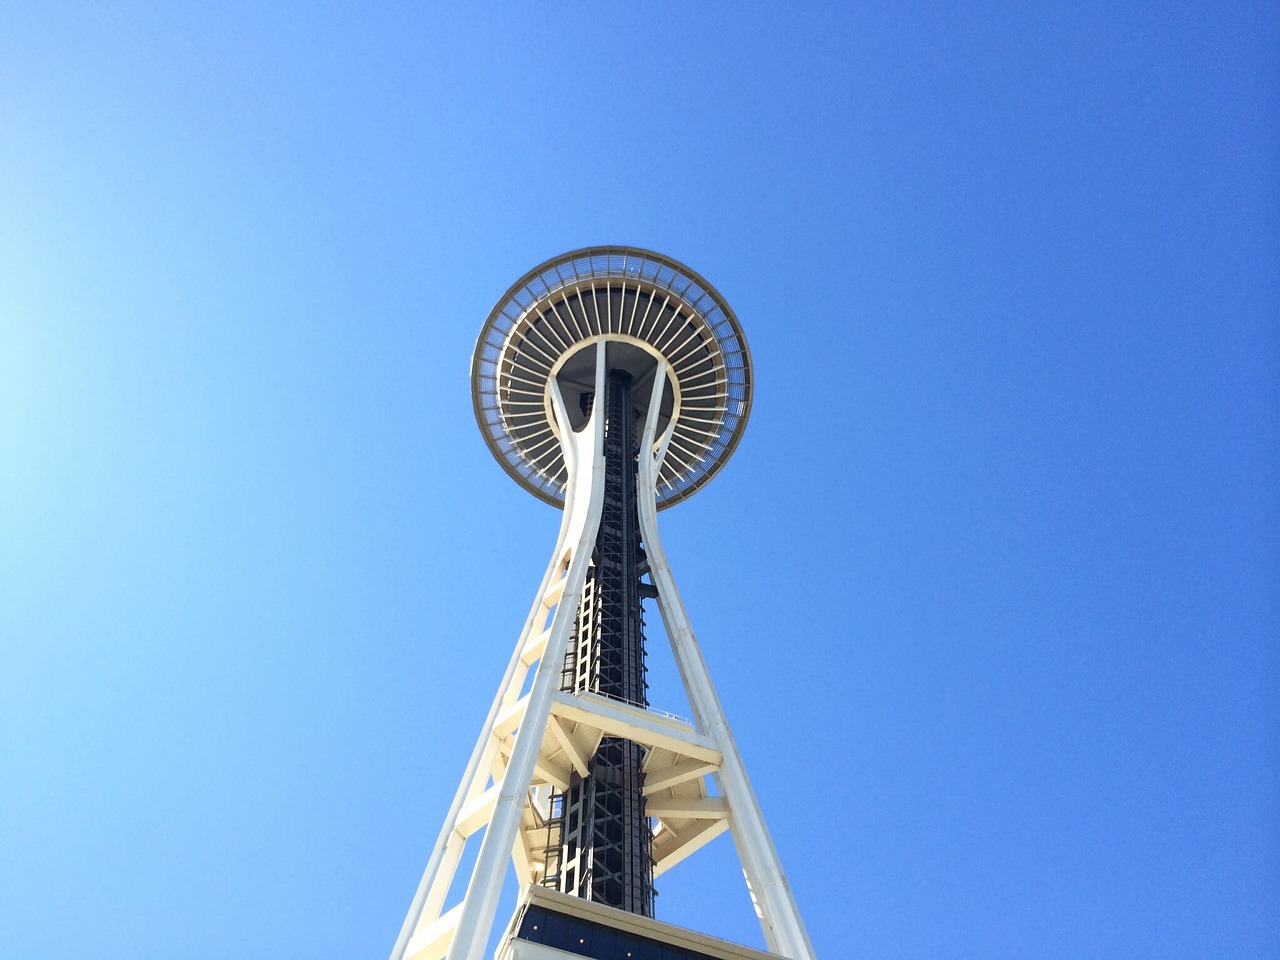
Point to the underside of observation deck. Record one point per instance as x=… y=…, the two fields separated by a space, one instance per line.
x=647 y=307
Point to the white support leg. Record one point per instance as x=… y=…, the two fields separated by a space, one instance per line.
x=583 y=519
x=784 y=931
x=436 y=879
x=578 y=526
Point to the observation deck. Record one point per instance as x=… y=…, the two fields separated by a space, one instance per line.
x=644 y=306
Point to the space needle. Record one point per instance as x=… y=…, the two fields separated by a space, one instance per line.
x=612 y=383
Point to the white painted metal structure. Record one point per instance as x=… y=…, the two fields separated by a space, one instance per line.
x=536 y=735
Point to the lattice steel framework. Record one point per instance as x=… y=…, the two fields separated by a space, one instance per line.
x=611 y=381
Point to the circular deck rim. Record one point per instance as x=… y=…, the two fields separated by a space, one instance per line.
x=575 y=269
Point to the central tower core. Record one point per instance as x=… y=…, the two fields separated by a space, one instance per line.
x=599 y=839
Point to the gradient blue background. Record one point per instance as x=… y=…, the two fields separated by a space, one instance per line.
x=989 y=590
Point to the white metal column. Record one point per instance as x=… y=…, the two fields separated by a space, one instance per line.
x=466 y=928
x=784 y=931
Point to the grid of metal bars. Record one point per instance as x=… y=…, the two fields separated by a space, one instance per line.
x=621 y=292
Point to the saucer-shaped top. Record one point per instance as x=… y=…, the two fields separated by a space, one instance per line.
x=644 y=305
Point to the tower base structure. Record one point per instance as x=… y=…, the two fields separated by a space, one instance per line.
x=550 y=926
x=541 y=386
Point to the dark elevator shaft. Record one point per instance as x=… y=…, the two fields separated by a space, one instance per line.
x=600 y=844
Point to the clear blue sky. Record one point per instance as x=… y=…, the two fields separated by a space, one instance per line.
x=989 y=589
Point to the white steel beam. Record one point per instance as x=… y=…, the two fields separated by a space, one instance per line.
x=690 y=842
x=431 y=942
x=578 y=757
x=682 y=771
x=693 y=808
x=586 y=487
x=784 y=931
x=616 y=719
